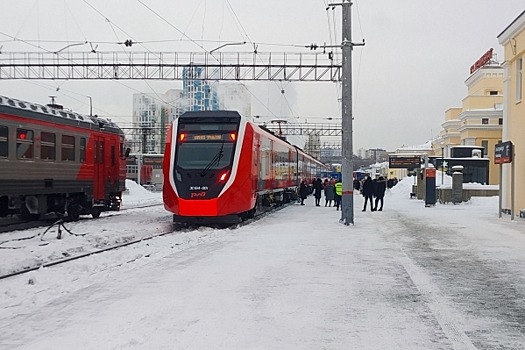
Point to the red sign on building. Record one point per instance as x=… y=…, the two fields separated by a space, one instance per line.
x=483 y=60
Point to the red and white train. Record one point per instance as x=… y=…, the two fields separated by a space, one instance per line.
x=221 y=168
x=52 y=160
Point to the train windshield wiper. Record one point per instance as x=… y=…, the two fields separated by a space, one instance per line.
x=216 y=159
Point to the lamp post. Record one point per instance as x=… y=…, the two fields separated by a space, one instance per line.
x=442 y=165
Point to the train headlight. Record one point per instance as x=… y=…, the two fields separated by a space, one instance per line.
x=224 y=176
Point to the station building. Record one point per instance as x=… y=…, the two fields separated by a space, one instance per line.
x=478 y=122
x=513 y=41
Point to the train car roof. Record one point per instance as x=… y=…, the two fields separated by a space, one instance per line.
x=210 y=114
x=48 y=113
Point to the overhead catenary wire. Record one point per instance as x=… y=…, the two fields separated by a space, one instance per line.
x=116 y=29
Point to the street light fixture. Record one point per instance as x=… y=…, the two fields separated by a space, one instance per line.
x=227 y=44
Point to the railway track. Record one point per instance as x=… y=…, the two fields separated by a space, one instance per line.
x=14 y=223
x=174 y=229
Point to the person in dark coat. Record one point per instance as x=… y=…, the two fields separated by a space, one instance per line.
x=303 y=192
x=329 y=194
x=379 y=192
x=318 y=189
x=357 y=184
x=368 y=192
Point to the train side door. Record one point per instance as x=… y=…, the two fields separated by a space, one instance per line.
x=99 y=169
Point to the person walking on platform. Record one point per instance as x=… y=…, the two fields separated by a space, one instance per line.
x=379 y=192
x=368 y=192
x=318 y=189
x=338 y=194
x=303 y=191
x=357 y=184
x=329 y=194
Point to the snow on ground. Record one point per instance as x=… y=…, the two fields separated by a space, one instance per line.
x=136 y=195
x=25 y=249
x=409 y=277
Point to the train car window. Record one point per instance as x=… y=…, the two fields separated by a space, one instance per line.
x=82 y=150
x=48 y=146
x=68 y=148
x=99 y=152
x=24 y=144
x=4 y=144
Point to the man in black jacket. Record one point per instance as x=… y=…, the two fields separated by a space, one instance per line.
x=379 y=192
x=368 y=192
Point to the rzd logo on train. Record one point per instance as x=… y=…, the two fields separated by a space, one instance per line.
x=201 y=194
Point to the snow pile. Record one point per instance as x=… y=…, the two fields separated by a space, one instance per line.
x=137 y=195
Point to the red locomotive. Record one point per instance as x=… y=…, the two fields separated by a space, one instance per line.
x=52 y=160
x=221 y=168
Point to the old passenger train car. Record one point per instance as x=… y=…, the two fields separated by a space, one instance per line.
x=52 y=160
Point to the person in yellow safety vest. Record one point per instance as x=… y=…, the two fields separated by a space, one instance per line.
x=338 y=194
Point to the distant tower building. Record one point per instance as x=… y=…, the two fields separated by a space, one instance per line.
x=234 y=97
x=198 y=94
x=152 y=114
x=313 y=145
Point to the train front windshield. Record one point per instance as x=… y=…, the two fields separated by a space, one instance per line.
x=209 y=155
x=205 y=146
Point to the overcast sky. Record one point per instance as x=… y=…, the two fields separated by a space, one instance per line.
x=417 y=55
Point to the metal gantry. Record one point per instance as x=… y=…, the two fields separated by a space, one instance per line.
x=306 y=129
x=169 y=66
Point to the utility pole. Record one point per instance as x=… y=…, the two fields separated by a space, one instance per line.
x=347 y=210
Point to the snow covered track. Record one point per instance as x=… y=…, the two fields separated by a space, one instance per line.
x=80 y=256
x=99 y=225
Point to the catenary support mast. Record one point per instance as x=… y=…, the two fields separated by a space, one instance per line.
x=347 y=210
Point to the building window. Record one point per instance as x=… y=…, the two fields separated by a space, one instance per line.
x=493 y=93
x=485 y=144
x=48 y=146
x=500 y=121
x=4 y=145
x=485 y=121
x=519 y=79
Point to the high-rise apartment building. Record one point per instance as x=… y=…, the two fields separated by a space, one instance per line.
x=152 y=114
x=199 y=95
